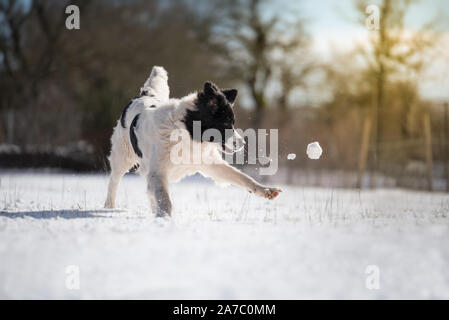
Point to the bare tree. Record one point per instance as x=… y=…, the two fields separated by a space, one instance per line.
x=393 y=53
x=83 y=78
x=30 y=48
x=259 y=49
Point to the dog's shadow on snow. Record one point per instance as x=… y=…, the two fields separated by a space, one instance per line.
x=65 y=214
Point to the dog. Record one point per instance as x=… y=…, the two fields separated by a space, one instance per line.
x=142 y=139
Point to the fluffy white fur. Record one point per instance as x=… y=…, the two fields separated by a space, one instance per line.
x=153 y=132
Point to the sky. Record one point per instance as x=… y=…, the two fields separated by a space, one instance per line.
x=333 y=26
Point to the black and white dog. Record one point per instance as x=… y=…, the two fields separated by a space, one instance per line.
x=143 y=139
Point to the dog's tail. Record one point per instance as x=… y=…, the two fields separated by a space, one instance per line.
x=157 y=84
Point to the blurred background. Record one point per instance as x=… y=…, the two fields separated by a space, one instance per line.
x=376 y=98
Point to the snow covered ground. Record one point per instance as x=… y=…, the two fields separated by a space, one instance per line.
x=220 y=243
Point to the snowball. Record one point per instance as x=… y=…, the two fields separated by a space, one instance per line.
x=291 y=156
x=314 y=150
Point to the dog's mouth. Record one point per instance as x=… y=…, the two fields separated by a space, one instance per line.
x=235 y=145
x=226 y=150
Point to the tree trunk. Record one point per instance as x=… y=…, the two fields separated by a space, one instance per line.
x=428 y=151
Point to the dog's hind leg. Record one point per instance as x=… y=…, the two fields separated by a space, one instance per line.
x=120 y=164
x=158 y=193
x=114 y=180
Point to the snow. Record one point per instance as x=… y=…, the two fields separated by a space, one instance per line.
x=220 y=243
x=291 y=156
x=314 y=150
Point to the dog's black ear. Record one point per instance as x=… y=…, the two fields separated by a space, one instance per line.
x=230 y=94
x=210 y=89
x=210 y=96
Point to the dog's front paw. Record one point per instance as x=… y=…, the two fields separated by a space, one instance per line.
x=109 y=205
x=269 y=193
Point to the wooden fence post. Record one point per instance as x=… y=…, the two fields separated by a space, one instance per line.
x=428 y=150
x=364 y=149
x=446 y=144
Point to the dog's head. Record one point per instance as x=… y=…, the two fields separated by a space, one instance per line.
x=214 y=111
